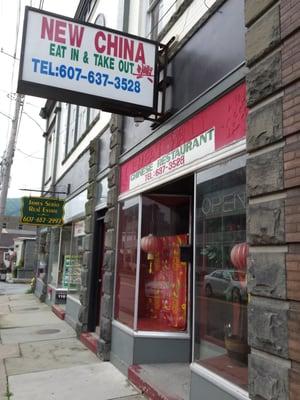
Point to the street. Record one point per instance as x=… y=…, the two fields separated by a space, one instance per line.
x=13 y=288
x=41 y=357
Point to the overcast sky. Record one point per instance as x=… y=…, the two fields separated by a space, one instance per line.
x=27 y=166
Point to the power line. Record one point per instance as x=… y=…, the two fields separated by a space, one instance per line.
x=28 y=115
x=9 y=55
x=29 y=155
x=5 y=115
x=32 y=119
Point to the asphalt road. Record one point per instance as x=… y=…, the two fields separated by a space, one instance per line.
x=13 y=288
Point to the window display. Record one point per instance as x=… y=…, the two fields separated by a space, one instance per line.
x=163 y=276
x=73 y=259
x=163 y=286
x=71 y=275
x=220 y=274
x=65 y=258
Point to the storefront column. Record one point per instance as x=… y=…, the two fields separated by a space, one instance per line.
x=82 y=326
x=106 y=310
x=273 y=186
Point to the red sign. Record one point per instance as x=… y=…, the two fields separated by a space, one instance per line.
x=227 y=116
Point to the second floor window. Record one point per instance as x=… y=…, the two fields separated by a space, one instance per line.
x=160 y=12
x=82 y=121
x=75 y=123
x=49 y=153
x=88 y=9
x=72 y=128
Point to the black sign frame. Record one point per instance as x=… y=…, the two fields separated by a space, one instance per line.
x=41 y=217
x=83 y=99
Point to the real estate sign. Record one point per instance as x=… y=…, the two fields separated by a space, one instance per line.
x=80 y=63
x=42 y=211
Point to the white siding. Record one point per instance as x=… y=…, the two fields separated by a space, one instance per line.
x=113 y=12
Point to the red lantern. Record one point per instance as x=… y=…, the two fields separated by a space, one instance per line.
x=239 y=254
x=150 y=244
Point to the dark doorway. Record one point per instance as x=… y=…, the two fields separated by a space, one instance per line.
x=96 y=274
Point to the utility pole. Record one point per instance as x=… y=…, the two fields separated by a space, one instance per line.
x=9 y=155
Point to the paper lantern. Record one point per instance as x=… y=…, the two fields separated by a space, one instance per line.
x=238 y=255
x=150 y=244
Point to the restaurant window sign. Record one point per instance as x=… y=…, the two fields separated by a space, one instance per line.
x=195 y=140
x=61 y=58
x=168 y=163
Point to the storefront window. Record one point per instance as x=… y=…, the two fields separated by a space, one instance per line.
x=163 y=286
x=220 y=274
x=53 y=263
x=60 y=242
x=126 y=262
x=72 y=259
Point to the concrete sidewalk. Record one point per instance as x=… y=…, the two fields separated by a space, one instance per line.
x=41 y=358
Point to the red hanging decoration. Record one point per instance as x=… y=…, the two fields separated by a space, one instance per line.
x=238 y=255
x=150 y=245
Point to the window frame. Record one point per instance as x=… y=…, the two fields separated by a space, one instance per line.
x=152 y=27
x=221 y=168
x=68 y=150
x=49 y=151
x=81 y=133
x=184 y=334
x=78 y=137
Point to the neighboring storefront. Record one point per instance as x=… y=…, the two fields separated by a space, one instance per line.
x=65 y=258
x=180 y=280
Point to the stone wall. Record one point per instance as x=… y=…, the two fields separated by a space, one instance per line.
x=82 y=325
x=110 y=240
x=106 y=311
x=43 y=247
x=273 y=184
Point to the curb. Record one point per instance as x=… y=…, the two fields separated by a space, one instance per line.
x=90 y=341
x=134 y=376
x=58 y=311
